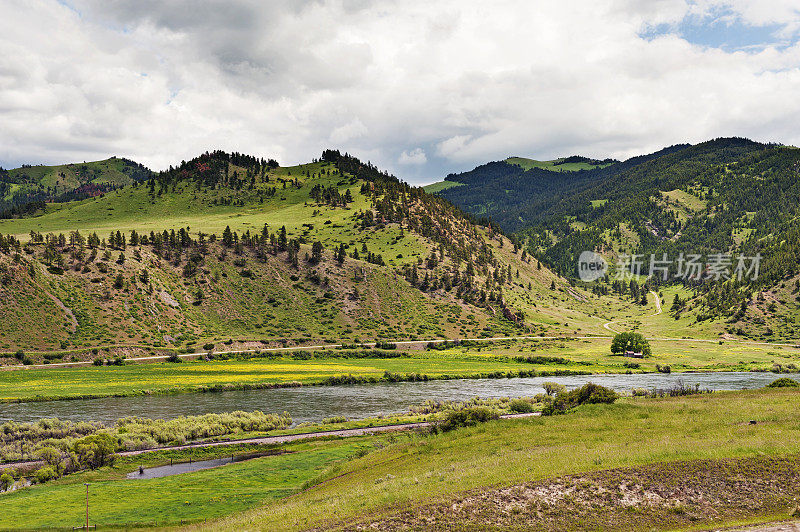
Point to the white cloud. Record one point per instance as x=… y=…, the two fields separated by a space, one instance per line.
x=447 y=85
x=416 y=156
x=351 y=130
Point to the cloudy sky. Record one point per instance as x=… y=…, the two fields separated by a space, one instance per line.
x=419 y=87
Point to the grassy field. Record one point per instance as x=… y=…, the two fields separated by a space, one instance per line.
x=49 y=383
x=196 y=496
x=433 y=470
x=587 y=355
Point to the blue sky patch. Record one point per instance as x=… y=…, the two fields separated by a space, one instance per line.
x=723 y=29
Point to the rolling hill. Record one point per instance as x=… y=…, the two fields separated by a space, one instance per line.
x=28 y=187
x=228 y=247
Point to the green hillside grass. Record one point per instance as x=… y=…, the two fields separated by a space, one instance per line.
x=433 y=188
x=348 y=301
x=556 y=165
x=69 y=176
x=435 y=470
x=727 y=195
x=45 y=183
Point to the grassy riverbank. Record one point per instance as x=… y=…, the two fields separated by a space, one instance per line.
x=632 y=433
x=497 y=359
x=407 y=476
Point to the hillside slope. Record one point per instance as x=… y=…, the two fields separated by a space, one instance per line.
x=229 y=247
x=25 y=190
x=726 y=196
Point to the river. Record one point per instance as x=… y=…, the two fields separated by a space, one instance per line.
x=314 y=403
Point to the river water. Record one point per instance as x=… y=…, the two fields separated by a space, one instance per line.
x=314 y=403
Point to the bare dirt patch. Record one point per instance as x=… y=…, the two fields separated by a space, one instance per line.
x=660 y=496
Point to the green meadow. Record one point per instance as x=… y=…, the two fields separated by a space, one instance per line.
x=556 y=165
x=118 y=502
x=166 y=377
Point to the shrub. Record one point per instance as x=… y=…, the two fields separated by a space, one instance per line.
x=386 y=345
x=19 y=355
x=98 y=362
x=49 y=455
x=784 y=382
x=589 y=393
x=663 y=369
x=95 y=450
x=553 y=388
x=44 y=474
x=174 y=358
x=467 y=417
x=6 y=482
x=676 y=390
x=334 y=419
x=521 y=406
x=208 y=347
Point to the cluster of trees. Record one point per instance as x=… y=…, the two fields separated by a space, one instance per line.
x=23 y=209
x=331 y=196
x=9 y=243
x=213 y=170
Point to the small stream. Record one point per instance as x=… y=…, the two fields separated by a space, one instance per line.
x=188 y=467
x=315 y=403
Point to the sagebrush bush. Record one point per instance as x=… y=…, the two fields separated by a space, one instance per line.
x=467 y=417
x=129 y=433
x=521 y=406
x=784 y=382
x=589 y=393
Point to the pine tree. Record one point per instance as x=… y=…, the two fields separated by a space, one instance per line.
x=316 y=252
x=227 y=237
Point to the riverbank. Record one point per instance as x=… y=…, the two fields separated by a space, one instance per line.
x=360 y=428
x=502 y=359
x=622 y=442
x=374 y=478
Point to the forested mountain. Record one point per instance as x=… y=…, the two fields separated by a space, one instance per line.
x=25 y=190
x=725 y=196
